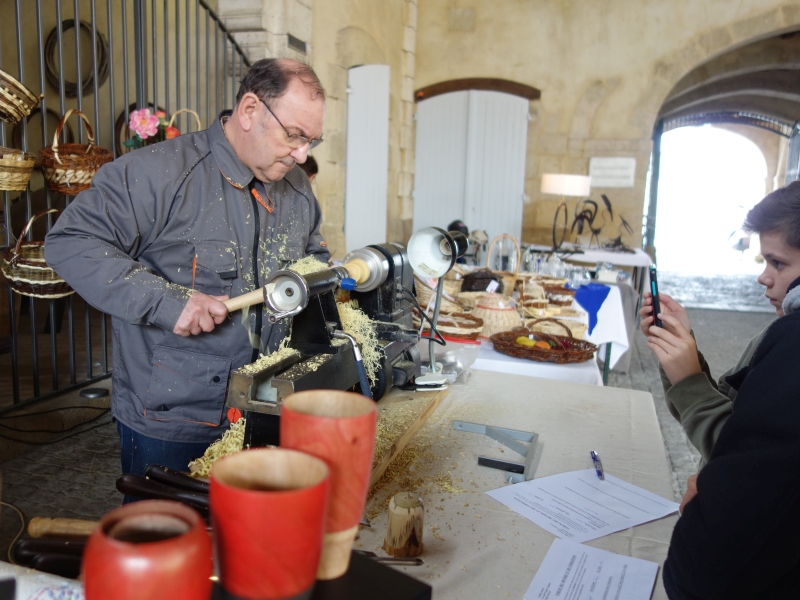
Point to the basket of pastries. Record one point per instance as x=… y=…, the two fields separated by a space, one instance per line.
x=543 y=347
x=560 y=295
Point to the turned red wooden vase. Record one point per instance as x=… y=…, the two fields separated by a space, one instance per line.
x=268 y=515
x=148 y=550
x=338 y=427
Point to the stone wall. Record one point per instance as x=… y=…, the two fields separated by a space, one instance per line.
x=604 y=69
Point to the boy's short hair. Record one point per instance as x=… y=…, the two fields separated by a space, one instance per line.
x=778 y=212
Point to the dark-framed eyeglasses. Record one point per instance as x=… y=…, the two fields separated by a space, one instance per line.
x=295 y=140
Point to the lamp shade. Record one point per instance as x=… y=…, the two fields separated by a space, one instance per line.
x=432 y=252
x=566 y=185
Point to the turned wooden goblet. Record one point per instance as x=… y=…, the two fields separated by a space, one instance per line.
x=149 y=550
x=338 y=427
x=268 y=513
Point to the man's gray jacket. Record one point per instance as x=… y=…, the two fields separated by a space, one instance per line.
x=157 y=223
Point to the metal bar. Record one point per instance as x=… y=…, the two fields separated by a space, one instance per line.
x=125 y=89
x=221 y=25
x=32 y=401
x=225 y=72
x=73 y=374
x=177 y=58
x=607 y=363
x=502 y=465
x=507 y=441
x=87 y=325
x=78 y=74
x=216 y=74
x=650 y=232
x=109 y=27
x=24 y=126
x=155 y=55
x=197 y=57
x=60 y=37
x=208 y=76
x=188 y=66
x=139 y=50
x=166 y=58
x=93 y=9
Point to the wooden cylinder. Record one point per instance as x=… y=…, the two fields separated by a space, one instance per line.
x=404 y=529
x=245 y=300
x=40 y=527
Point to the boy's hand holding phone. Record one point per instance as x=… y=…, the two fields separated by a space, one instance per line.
x=668 y=307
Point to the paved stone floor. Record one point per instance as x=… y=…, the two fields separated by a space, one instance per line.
x=75 y=477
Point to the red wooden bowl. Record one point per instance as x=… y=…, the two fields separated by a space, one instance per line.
x=149 y=550
x=268 y=514
x=338 y=427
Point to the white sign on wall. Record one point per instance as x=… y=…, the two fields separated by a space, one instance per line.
x=612 y=172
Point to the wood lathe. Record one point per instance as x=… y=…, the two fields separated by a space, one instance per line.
x=379 y=278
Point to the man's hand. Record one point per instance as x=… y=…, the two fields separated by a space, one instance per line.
x=668 y=307
x=201 y=313
x=691 y=492
x=675 y=349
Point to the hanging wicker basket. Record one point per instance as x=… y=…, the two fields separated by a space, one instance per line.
x=26 y=270
x=69 y=168
x=497 y=314
x=15 y=169
x=509 y=279
x=189 y=111
x=562 y=349
x=16 y=101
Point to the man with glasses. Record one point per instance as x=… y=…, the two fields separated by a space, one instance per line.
x=168 y=231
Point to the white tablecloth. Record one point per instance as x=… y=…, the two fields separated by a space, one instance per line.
x=610 y=328
x=476 y=548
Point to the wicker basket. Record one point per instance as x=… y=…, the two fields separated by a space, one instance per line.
x=26 y=270
x=69 y=168
x=496 y=313
x=553 y=326
x=509 y=279
x=15 y=169
x=425 y=292
x=186 y=110
x=470 y=299
x=461 y=326
x=566 y=350
x=559 y=295
x=16 y=101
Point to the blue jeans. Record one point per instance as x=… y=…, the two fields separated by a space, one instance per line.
x=137 y=452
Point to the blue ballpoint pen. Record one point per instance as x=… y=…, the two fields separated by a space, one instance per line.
x=598 y=466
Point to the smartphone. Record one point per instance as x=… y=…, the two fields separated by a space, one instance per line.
x=654 y=291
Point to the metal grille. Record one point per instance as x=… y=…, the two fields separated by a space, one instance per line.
x=739 y=117
x=123 y=54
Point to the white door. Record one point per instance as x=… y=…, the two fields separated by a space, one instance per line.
x=367 y=169
x=470 y=161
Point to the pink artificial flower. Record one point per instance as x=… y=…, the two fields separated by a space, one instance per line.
x=143 y=123
x=172 y=132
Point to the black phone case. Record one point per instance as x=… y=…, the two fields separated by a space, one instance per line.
x=654 y=292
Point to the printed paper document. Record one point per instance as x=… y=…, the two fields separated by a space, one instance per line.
x=573 y=571
x=578 y=506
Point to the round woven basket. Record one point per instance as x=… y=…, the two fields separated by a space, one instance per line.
x=566 y=349
x=461 y=326
x=497 y=314
x=69 y=168
x=553 y=326
x=26 y=270
x=559 y=295
x=16 y=101
x=15 y=169
x=425 y=292
x=470 y=299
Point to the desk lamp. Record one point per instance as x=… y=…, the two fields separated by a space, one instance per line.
x=432 y=252
x=564 y=185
